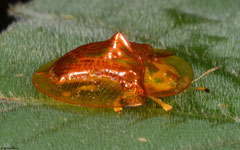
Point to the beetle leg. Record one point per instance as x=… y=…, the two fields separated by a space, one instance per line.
x=117 y=102
x=117 y=109
x=165 y=106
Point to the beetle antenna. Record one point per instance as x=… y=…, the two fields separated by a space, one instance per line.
x=200 y=88
x=207 y=72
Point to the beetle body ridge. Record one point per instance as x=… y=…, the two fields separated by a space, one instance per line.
x=105 y=74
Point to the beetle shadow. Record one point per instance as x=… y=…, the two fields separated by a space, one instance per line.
x=132 y=115
x=181 y=18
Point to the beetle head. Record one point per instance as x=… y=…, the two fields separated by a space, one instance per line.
x=167 y=76
x=159 y=78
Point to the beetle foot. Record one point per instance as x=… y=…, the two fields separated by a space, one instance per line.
x=165 y=106
x=117 y=109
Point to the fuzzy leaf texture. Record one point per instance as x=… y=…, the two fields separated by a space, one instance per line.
x=204 y=33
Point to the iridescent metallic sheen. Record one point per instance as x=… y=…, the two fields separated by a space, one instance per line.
x=113 y=73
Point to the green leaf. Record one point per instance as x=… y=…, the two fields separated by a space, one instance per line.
x=204 y=33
